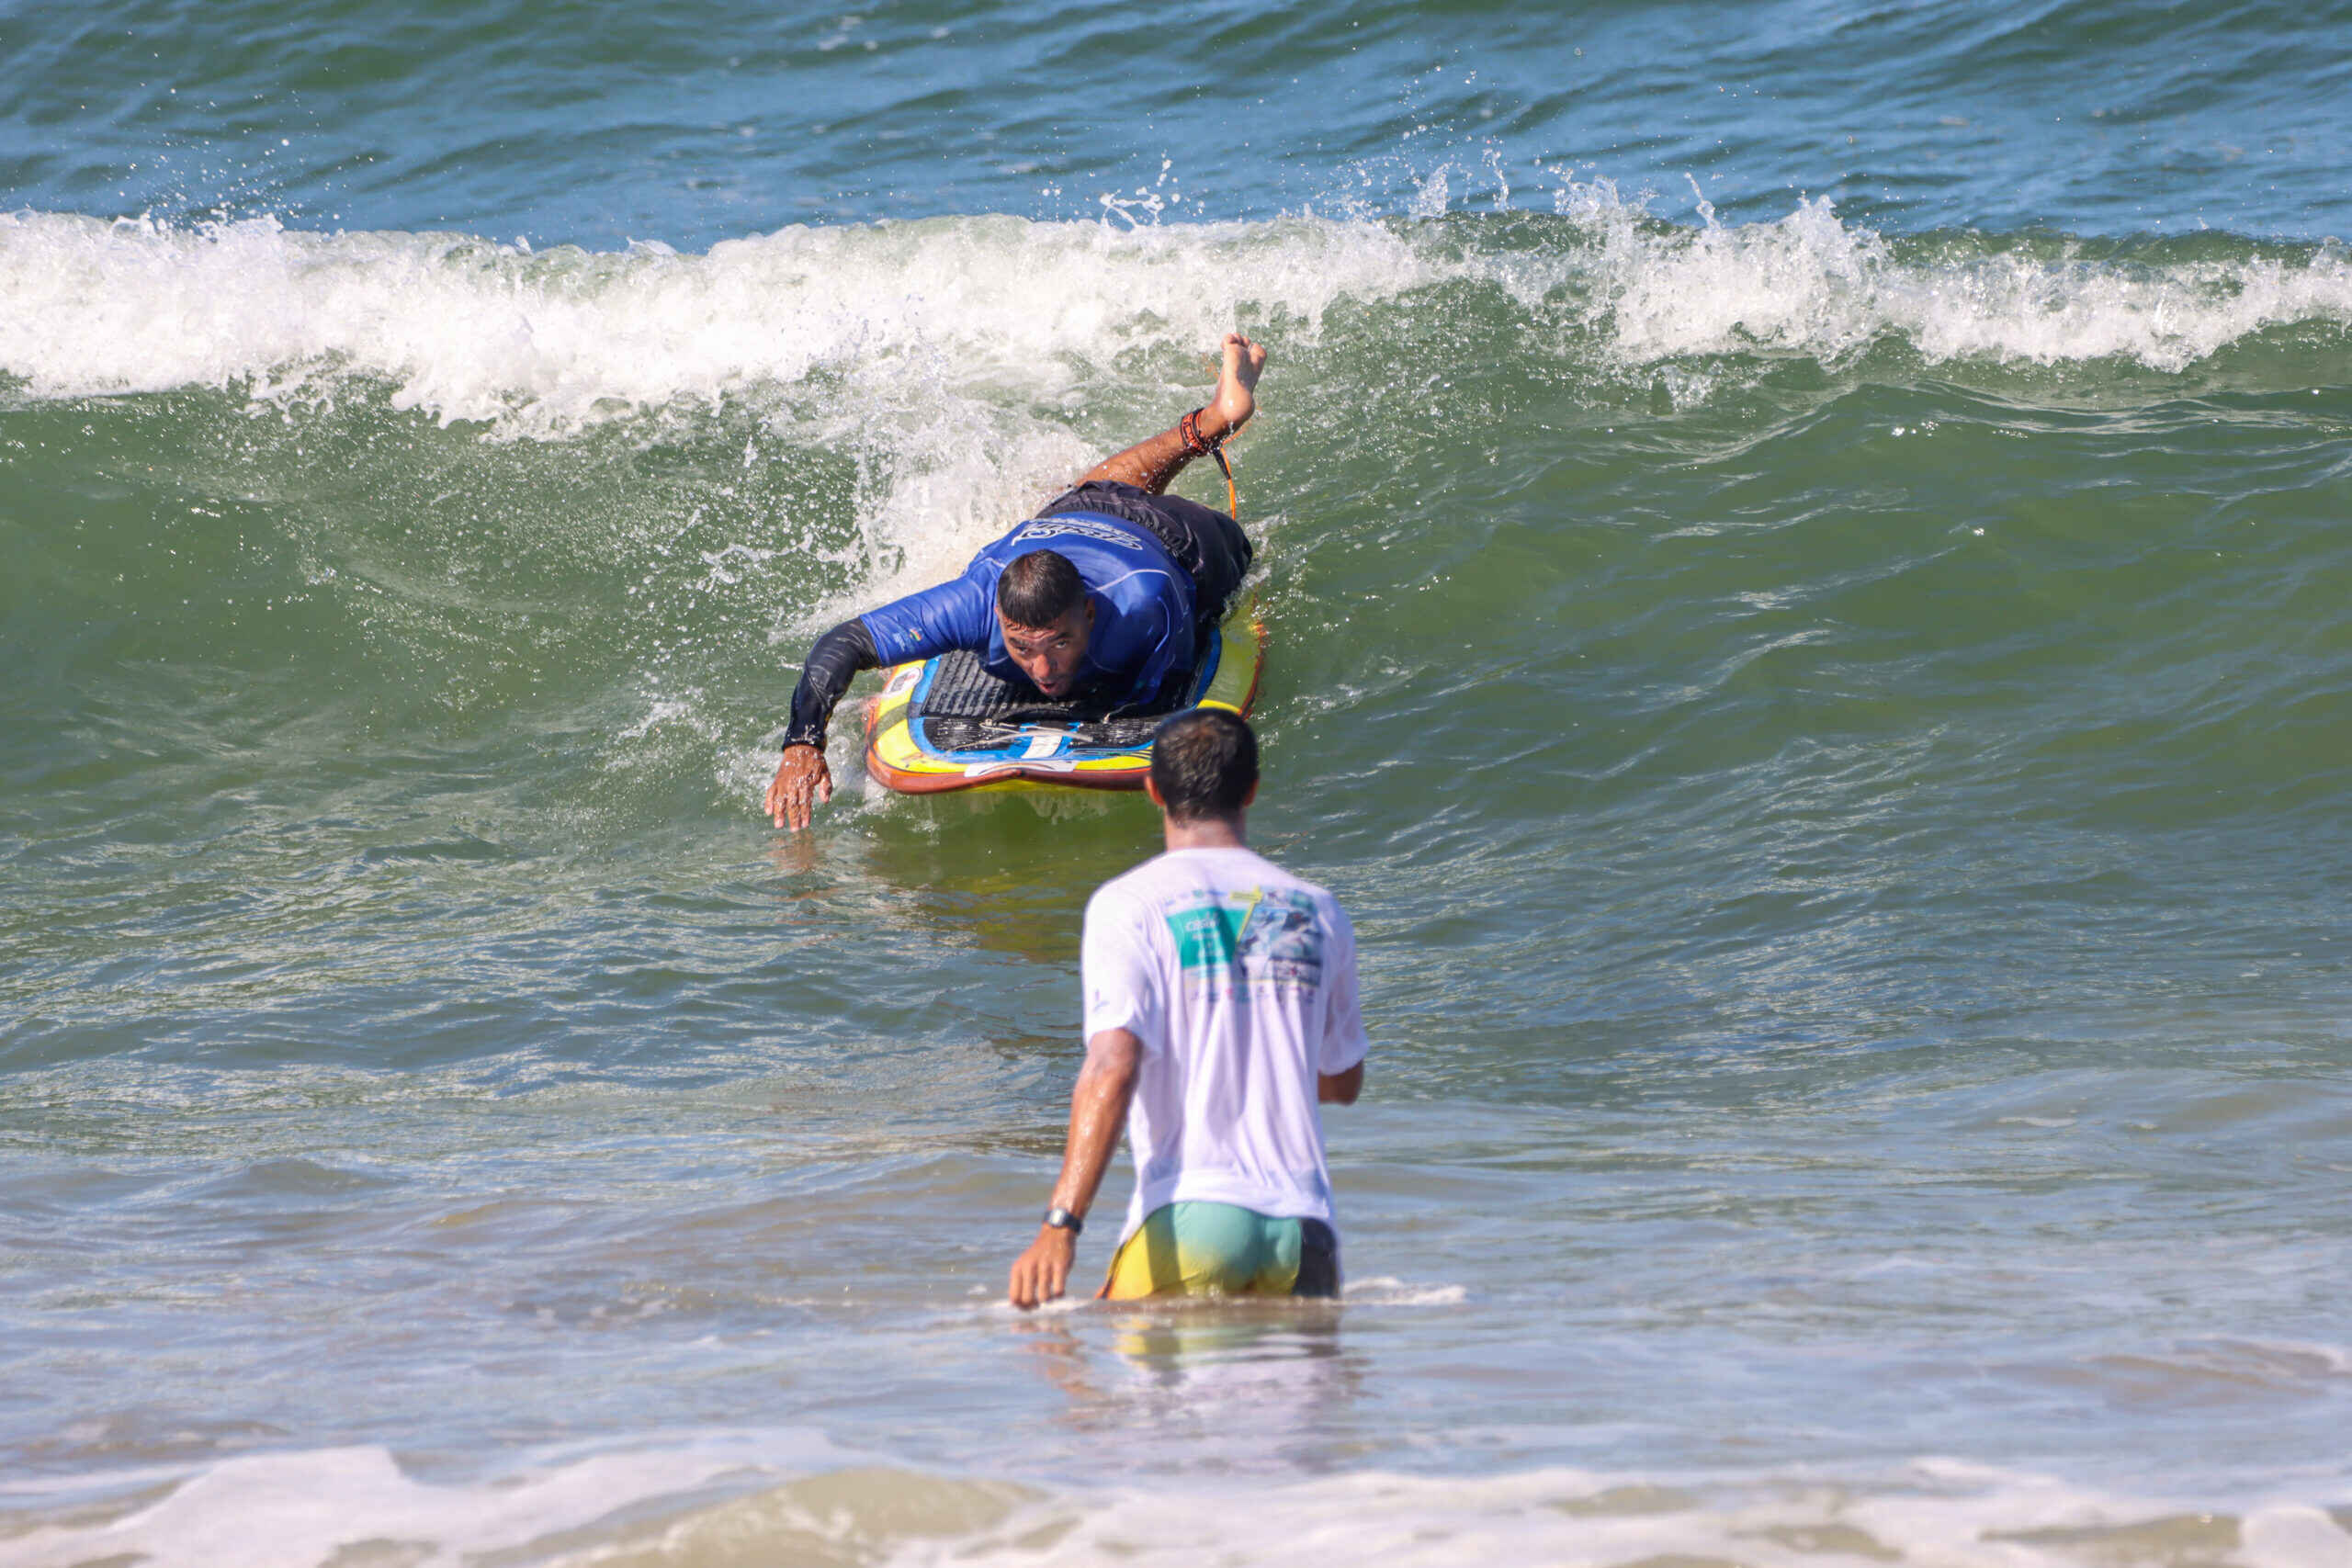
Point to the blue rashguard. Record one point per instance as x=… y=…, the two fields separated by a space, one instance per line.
x=1142 y=607
x=1152 y=564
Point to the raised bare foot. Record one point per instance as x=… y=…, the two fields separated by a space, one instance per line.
x=1236 y=384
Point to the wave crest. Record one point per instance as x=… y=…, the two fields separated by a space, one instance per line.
x=1808 y=284
x=545 y=344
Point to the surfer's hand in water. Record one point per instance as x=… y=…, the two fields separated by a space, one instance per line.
x=1039 y=1274
x=802 y=780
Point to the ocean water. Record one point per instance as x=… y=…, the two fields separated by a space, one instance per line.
x=1805 y=547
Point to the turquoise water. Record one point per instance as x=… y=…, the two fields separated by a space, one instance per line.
x=1803 y=552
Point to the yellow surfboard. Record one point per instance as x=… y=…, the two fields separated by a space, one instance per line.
x=941 y=724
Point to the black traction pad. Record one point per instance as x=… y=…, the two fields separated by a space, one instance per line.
x=966 y=709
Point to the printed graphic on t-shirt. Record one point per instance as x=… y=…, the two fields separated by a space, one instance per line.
x=1248 y=938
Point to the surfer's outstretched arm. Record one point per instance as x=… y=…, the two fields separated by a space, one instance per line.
x=1149 y=465
x=953 y=615
x=802 y=778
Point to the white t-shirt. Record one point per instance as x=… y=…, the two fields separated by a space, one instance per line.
x=1240 y=981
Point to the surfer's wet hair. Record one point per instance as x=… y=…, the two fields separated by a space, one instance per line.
x=1204 y=762
x=1038 y=588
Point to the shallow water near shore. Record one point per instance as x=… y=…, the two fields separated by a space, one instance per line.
x=1802 y=552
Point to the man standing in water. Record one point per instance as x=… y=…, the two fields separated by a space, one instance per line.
x=1220 y=1014
x=1114 y=588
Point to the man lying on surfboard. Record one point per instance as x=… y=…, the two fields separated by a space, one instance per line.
x=1114 y=588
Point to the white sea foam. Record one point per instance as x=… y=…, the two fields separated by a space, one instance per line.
x=1950 y=1516
x=1017 y=315
x=789 y=1497
x=298 y=1509
x=1386 y=1289
x=1810 y=283
x=545 y=342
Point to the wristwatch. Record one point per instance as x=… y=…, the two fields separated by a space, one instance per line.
x=1061 y=1218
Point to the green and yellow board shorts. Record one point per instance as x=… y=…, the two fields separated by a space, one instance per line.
x=1219 y=1249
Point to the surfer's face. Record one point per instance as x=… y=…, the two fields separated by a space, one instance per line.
x=1049 y=656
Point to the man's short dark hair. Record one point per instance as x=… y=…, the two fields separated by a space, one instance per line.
x=1038 y=588
x=1202 y=762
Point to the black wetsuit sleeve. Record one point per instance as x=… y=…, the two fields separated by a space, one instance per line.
x=839 y=655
